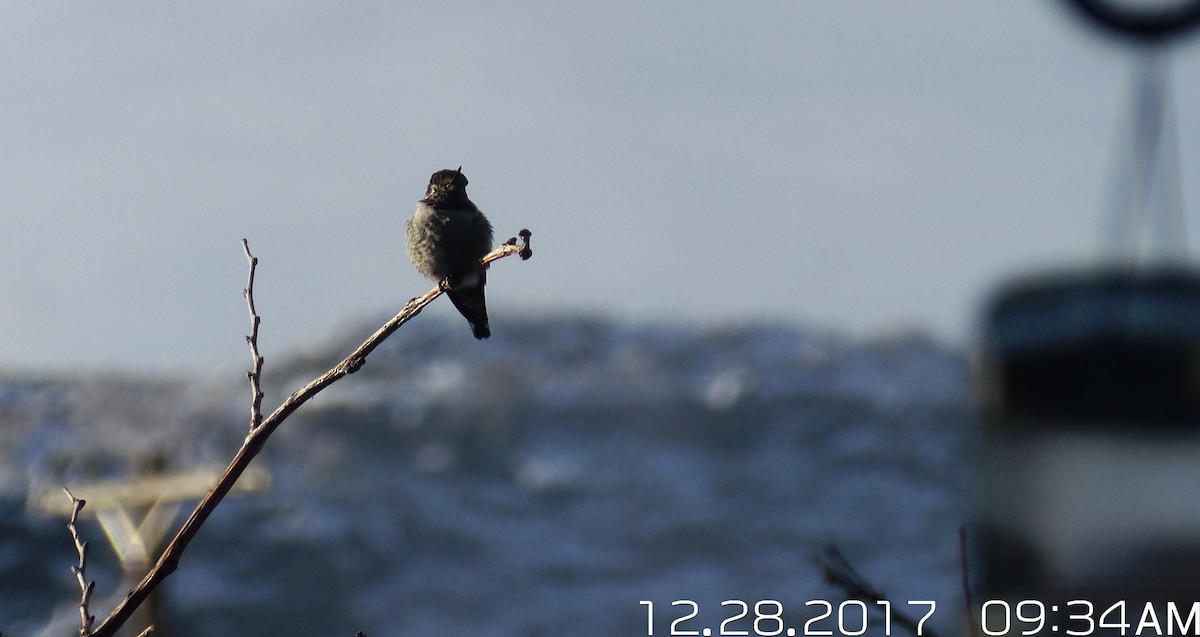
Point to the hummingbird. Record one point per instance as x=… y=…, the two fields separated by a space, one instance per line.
x=447 y=237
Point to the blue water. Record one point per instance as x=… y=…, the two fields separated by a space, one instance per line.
x=545 y=482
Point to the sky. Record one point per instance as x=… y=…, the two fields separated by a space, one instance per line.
x=864 y=168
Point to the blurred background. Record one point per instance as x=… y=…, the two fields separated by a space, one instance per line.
x=761 y=235
x=865 y=167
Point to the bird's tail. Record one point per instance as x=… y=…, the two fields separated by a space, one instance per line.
x=469 y=299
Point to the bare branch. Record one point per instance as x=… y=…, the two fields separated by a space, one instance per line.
x=81 y=548
x=838 y=572
x=169 y=561
x=256 y=360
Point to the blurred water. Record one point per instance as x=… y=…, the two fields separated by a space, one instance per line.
x=541 y=483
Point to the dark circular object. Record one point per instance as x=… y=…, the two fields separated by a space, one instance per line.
x=1146 y=24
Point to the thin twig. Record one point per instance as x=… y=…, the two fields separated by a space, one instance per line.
x=838 y=572
x=169 y=561
x=968 y=603
x=256 y=360
x=80 y=570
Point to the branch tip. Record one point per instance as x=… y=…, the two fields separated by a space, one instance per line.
x=256 y=359
x=86 y=619
x=526 y=251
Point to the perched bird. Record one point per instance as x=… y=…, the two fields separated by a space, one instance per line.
x=447 y=237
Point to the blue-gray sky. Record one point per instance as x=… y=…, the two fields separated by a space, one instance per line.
x=859 y=166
